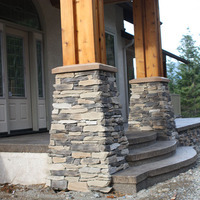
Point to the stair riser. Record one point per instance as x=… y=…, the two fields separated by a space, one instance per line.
x=149 y=160
x=142 y=139
x=151 y=154
x=127 y=188
x=137 y=146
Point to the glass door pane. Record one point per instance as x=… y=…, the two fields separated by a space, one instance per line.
x=39 y=68
x=15 y=62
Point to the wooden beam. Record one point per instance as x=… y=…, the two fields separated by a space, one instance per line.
x=56 y=3
x=138 y=16
x=85 y=30
x=102 y=37
x=148 y=49
x=68 y=26
x=164 y=65
x=153 y=52
x=162 y=69
x=115 y=1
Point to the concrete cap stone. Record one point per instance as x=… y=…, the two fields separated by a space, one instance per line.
x=84 y=67
x=149 y=80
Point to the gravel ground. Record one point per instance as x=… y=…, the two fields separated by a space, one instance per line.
x=186 y=186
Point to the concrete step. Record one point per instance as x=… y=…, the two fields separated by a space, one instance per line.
x=139 y=139
x=134 y=179
x=154 y=152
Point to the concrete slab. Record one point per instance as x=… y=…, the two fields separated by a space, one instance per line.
x=32 y=143
x=154 y=150
x=183 y=122
x=184 y=156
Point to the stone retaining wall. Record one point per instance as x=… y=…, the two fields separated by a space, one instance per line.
x=151 y=108
x=190 y=136
x=87 y=140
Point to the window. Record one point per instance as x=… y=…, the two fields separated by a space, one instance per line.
x=15 y=62
x=22 y=12
x=1 y=73
x=39 y=68
x=110 y=49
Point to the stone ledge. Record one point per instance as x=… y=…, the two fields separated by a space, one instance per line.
x=149 y=80
x=84 y=67
x=192 y=126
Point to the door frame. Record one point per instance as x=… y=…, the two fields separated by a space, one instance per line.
x=27 y=87
x=33 y=36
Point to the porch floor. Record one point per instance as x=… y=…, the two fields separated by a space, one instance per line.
x=38 y=143
x=32 y=143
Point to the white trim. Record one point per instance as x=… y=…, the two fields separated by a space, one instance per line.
x=111 y=32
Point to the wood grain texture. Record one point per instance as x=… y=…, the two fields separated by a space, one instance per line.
x=138 y=16
x=148 y=49
x=68 y=26
x=85 y=31
x=102 y=32
x=152 y=40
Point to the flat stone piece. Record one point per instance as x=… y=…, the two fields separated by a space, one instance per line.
x=83 y=67
x=78 y=186
x=81 y=155
x=148 y=80
x=59 y=184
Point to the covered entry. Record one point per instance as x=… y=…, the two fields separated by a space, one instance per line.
x=22 y=95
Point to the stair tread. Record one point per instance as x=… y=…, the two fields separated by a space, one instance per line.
x=158 y=146
x=140 y=137
x=183 y=157
x=139 y=134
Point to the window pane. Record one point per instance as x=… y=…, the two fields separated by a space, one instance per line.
x=22 y=12
x=110 y=50
x=39 y=68
x=15 y=62
x=1 y=74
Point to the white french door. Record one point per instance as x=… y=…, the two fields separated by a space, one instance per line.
x=18 y=80
x=22 y=91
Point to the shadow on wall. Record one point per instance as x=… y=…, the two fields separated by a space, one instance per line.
x=24 y=168
x=4 y=177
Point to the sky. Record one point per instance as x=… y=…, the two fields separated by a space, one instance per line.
x=177 y=16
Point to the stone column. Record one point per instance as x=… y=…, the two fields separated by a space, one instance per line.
x=151 y=108
x=87 y=141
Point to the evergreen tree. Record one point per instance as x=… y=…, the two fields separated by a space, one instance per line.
x=172 y=76
x=186 y=81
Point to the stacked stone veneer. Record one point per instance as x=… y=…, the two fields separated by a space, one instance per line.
x=190 y=136
x=151 y=108
x=87 y=141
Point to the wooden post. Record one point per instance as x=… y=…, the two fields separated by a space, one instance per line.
x=68 y=24
x=138 y=18
x=148 y=49
x=83 y=32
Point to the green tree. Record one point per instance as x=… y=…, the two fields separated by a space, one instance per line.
x=172 y=76
x=186 y=80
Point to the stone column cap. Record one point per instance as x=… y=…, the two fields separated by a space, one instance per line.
x=83 y=67
x=149 y=80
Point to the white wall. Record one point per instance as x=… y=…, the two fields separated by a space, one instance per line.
x=114 y=25
x=24 y=168
x=50 y=18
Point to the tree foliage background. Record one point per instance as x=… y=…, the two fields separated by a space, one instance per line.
x=185 y=79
